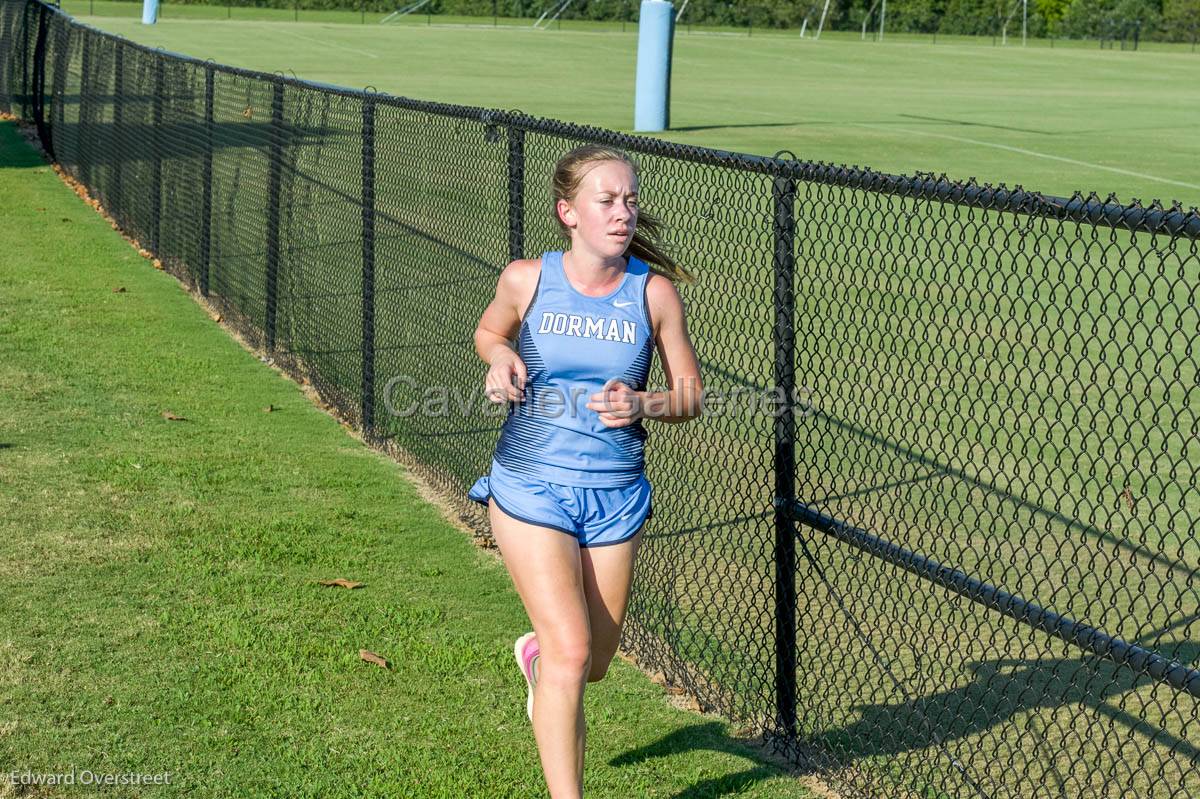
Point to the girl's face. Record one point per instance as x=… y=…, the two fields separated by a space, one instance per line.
x=603 y=214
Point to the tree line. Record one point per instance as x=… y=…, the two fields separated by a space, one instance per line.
x=1166 y=20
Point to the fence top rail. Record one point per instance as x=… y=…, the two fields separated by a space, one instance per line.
x=1174 y=220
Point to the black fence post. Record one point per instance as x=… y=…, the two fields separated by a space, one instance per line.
x=156 y=163
x=21 y=46
x=62 y=47
x=206 y=177
x=84 y=139
x=516 y=193
x=274 y=173
x=784 y=196
x=38 y=90
x=115 y=203
x=368 y=268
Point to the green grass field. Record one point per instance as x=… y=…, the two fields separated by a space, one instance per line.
x=161 y=609
x=1054 y=120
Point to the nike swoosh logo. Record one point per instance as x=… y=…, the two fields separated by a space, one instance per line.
x=622 y=303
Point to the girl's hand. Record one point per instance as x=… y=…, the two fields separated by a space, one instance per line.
x=505 y=381
x=617 y=404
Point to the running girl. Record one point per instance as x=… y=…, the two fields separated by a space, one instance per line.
x=567 y=495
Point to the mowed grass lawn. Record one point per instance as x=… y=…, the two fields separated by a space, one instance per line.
x=1056 y=120
x=161 y=611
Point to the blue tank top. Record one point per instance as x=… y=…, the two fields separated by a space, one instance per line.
x=572 y=344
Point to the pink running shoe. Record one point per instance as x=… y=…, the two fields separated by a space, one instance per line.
x=526 y=652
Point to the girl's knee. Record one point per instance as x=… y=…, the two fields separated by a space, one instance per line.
x=566 y=662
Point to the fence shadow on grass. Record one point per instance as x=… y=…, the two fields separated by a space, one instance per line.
x=15 y=157
x=709 y=736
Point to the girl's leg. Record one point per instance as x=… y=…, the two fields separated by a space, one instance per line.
x=607 y=576
x=545 y=568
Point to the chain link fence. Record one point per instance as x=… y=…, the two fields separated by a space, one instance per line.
x=934 y=535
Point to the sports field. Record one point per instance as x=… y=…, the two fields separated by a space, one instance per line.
x=1056 y=120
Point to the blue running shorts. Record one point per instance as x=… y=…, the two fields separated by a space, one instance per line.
x=596 y=517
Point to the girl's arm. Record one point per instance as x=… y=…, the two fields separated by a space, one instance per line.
x=683 y=401
x=498 y=327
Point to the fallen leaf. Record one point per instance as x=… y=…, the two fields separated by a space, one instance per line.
x=371 y=657
x=157 y=264
x=218 y=318
x=119 y=290
x=1128 y=496
x=249 y=112
x=342 y=581
x=172 y=417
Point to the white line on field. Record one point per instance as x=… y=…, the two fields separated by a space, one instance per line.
x=1023 y=151
x=327 y=44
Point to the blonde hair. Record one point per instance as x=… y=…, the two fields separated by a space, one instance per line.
x=646 y=244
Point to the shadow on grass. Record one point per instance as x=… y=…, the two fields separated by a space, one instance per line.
x=1003 y=689
x=690 y=128
x=14 y=153
x=968 y=124
x=709 y=736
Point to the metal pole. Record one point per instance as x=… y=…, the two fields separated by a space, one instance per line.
x=156 y=116
x=516 y=193
x=1024 y=21
x=38 y=93
x=58 y=88
x=821 y=25
x=784 y=195
x=275 y=168
x=85 y=113
x=115 y=203
x=206 y=176
x=368 y=268
x=882 y=17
